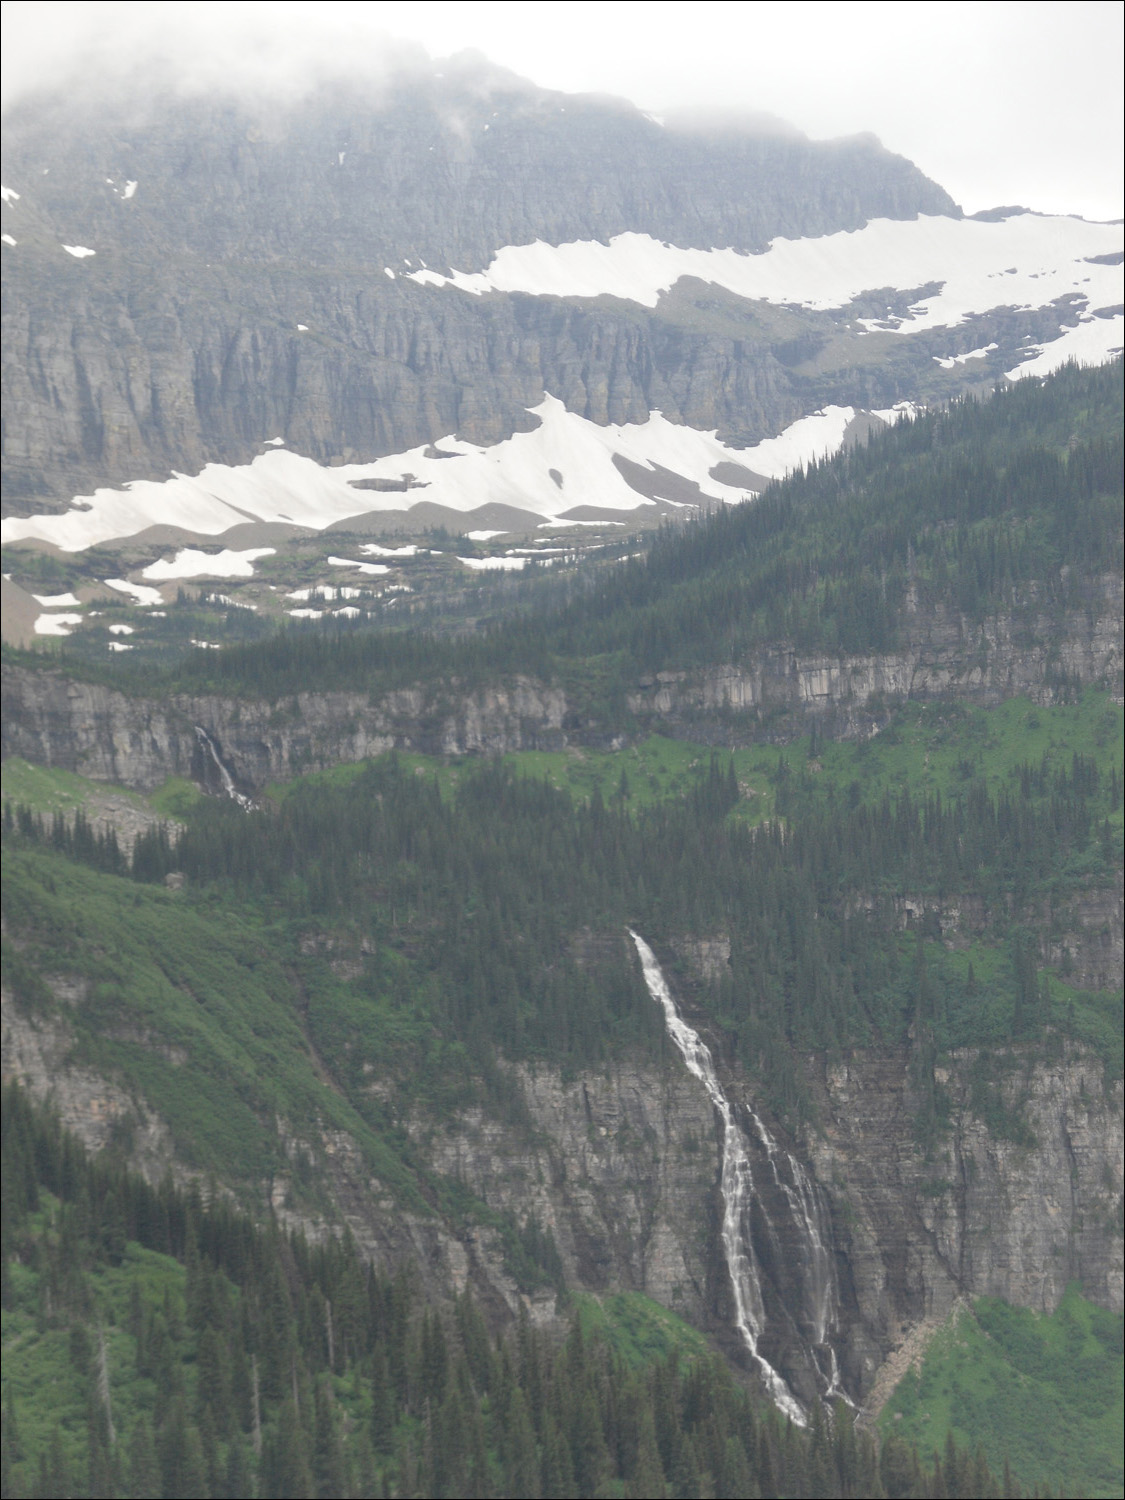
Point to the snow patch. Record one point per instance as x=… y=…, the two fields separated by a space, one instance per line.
x=118 y=646
x=281 y=485
x=8 y=240
x=56 y=624
x=128 y=190
x=815 y=436
x=891 y=414
x=273 y=442
x=136 y=591
x=307 y=614
x=1092 y=342
x=482 y=536
x=122 y=630
x=1026 y=260
x=9 y=195
x=79 y=251
x=189 y=562
x=360 y=567
x=55 y=601
x=960 y=359
x=227 y=602
x=373 y=549
x=491 y=564
x=562 y=525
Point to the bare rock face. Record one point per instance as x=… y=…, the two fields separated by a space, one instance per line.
x=109 y=736
x=623 y=1167
x=252 y=281
x=944 y=654
x=982 y=1214
x=98 y=1110
x=138 y=742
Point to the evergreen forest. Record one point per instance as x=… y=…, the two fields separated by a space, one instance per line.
x=376 y=952
x=193 y=1353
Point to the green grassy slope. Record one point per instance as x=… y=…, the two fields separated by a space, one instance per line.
x=197 y=1005
x=1042 y=1393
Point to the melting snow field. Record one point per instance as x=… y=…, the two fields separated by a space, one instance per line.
x=56 y=624
x=1090 y=343
x=283 y=486
x=136 y=591
x=1024 y=261
x=190 y=563
x=55 y=601
x=492 y=564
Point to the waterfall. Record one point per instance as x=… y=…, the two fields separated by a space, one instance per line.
x=794 y=1264
x=806 y=1211
x=225 y=778
x=737 y=1186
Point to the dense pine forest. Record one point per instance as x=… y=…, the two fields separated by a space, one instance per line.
x=195 y=1353
x=377 y=950
x=474 y=896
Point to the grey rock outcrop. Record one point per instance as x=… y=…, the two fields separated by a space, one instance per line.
x=240 y=290
x=944 y=654
x=623 y=1167
x=105 y=734
x=981 y=1215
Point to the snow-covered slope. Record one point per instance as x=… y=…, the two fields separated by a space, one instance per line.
x=263 y=323
x=1024 y=261
x=564 y=463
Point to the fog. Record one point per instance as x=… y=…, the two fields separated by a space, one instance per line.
x=1000 y=103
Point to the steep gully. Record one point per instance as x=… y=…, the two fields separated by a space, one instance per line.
x=815 y=1312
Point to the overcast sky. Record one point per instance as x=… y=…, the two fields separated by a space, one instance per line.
x=1000 y=103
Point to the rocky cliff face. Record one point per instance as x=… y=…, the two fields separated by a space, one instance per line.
x=249 y=283
x=981 y=1215
x=944 y=654
x=623 y=1167
x=107 y=735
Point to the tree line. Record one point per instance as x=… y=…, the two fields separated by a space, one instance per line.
x=240 y=1360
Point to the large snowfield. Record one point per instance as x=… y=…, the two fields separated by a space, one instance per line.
x=1027 y=260
x=284 y=486
x=967 y=266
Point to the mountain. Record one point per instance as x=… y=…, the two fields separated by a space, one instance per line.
x=714 y=932
x=593 y=311
x=401 y=994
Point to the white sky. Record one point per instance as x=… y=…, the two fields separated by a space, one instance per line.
x=999 y=102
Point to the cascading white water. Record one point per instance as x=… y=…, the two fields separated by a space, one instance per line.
x=225 y=777
x=736 y=1183
x=820 y=1279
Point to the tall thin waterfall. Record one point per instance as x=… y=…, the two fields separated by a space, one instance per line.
x=737 y=1186
x=226 y=780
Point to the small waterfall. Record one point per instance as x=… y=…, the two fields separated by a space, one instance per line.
x=807 y=1212
x=737 y=1186
x=226 y=780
